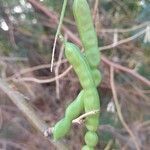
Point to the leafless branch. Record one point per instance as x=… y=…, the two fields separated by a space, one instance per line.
x=112 y=83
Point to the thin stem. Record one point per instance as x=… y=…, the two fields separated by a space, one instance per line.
x=127 y=70
x=109 y=145
x=32 y=79
x=4 y=58
x=122 y=41
x=31 y=69
x=80 y=119
x=58 y=31
x=126 y=30
x=57 y=71
x=112 y=83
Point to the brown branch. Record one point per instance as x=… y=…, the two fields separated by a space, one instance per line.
x=25 y=107
x=127 y=70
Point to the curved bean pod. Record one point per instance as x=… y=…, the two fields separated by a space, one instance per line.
x=88 y=99
x=91 y=139
x=73 y=111
x=85 y=147
x=91 y=102
x=97 y=77
x=91 y=97
x=82 y=69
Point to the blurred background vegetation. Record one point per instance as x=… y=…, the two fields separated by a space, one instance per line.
x=27 y=30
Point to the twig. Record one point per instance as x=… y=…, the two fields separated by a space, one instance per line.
x=80 y=119
x=122 y=41
x=24 y=106
x=1 y=118
x=119 y=109
x=109 y=145
x=146 y=91
x=96 y=16
x=30 y=69
x=126 y=30
x=127 y=70
x=95 y=11
x=104 y=59
x=4 y=58
x=58 y=31
x=3 y=70
x=123 y=7
x=31 y=79
x=143 y=124
x=117 y=135
x=57 y=71
x=28 y=111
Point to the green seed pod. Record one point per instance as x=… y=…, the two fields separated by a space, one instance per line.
x=61 y=128
x=75 y=108
x=82 y=69
x=91 y=102
x=83 y=19
x=95 y=73
x=88 y=99
x=91 y=139
x=96 y=76
x=92 y=122
x=73 y=111
x=85 y=147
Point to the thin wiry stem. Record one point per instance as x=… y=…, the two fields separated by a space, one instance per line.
x=4 y=58
x=127 y=70
x=31 y=69
x=136 y=27
x=58 y=31
x=122 y=41
x=104 y=59
x=109 y=145
x=95 y=10
x=42 y=81
x=57 y=71
x=80 y=119
x=112 y=83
